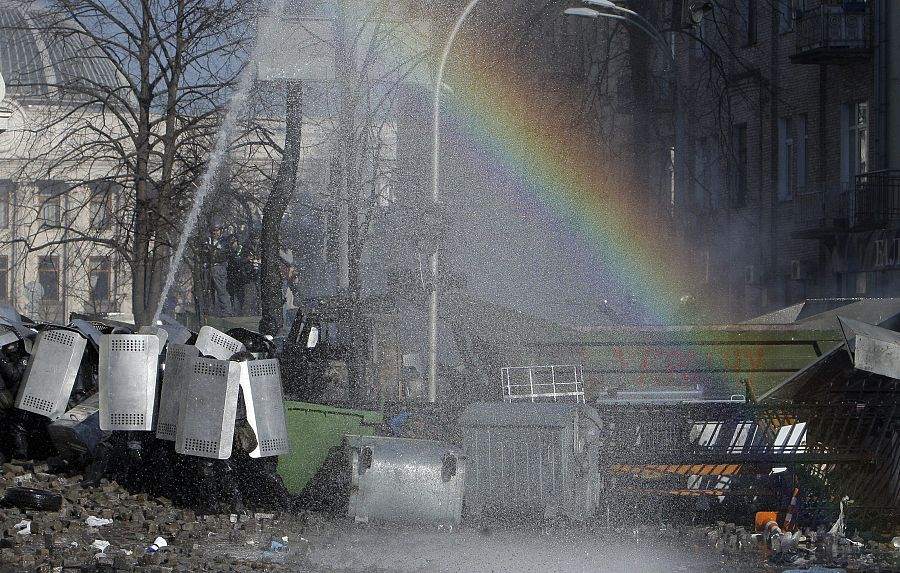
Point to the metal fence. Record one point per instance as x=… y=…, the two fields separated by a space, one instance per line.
x=832 y=27
x=553 y=383
x=875 y=201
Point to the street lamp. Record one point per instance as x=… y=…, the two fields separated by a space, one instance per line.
x=436 y=199
x=642 y=23
x=631 y=17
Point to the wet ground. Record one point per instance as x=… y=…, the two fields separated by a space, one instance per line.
x=71 y=539
x=573 y=549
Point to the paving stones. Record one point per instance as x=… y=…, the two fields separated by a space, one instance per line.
x=197 y=543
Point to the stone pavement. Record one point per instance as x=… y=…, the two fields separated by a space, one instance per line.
x=63 y=541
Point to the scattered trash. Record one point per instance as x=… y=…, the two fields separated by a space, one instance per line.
x=157 y=543
x=94 y=521
x=23 y=527
x=838 y=528
x=100 y=545
x=896 y=542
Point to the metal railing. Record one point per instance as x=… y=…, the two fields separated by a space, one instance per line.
x=875 y=200
x=833 y=27
x=720 y=433
x=553 y=383
x=821 y=209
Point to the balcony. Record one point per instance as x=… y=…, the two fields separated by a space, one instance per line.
x=833 y=34
x=821 y=212
x=875 y=200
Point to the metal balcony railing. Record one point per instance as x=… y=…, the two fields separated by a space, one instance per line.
x=832 y=32
x=822 y=209
x=875 y=200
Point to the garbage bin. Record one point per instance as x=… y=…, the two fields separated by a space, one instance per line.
x=404 y=480
x=314 y=429
x=531 y=460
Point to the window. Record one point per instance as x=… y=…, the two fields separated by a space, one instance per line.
x=785 y=158
x=800 y=133
x=50 y=202
x=791 y=156
x=48 y=277
x=785 y=15
x=854 y=141
x=4 y=278
x=6 y=194
x=100 y=208
x=99 y=278
x=740 y=172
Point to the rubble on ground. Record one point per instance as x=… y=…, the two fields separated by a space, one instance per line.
x=804 y=549
x=132 y=524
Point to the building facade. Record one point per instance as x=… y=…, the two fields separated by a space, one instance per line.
x=787 y=169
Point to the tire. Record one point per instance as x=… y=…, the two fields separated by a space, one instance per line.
x=27 y=497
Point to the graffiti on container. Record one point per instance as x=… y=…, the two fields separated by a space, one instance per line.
x=689 y=364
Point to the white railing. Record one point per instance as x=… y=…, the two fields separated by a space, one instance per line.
x=555 y=383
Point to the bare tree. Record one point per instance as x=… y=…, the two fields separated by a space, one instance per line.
x=138 y=127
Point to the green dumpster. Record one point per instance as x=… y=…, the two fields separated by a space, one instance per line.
x=313 y=430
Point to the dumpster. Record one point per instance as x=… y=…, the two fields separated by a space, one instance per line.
x=404 y=480
x=531 y=460
x=313 y=430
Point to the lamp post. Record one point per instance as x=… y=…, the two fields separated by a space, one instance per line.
x=607 y=9
x=436 y=199
x=630 y=16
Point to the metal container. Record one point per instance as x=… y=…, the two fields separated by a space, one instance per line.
x=314 y=430
x=51 y=373
x=405 y=480
x=128 y=376
x=534 y=460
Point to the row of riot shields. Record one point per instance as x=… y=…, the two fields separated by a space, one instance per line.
x=91 y=386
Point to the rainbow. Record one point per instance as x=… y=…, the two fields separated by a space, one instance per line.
x=562 y=171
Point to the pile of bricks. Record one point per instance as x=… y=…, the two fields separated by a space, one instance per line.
x=61 y=541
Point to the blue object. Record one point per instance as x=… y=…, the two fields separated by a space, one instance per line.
x=397 y=420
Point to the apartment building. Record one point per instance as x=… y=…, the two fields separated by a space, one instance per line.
x=788 y=168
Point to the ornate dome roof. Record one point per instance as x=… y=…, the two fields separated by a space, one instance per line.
x=39 y=52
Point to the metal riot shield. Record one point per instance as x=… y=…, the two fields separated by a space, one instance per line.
x=176 y=370
x=8 y=335
x=263 y=399
x=160 y=333
x=216 y=343
x=208 y=408
x=51 y=372
x=19 y=332
x=177 y=333
x=88 y=330
x=129 y=364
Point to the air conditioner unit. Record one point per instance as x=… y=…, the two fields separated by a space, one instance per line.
x=750 y=276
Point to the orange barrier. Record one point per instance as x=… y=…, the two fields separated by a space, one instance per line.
x=763 y=518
